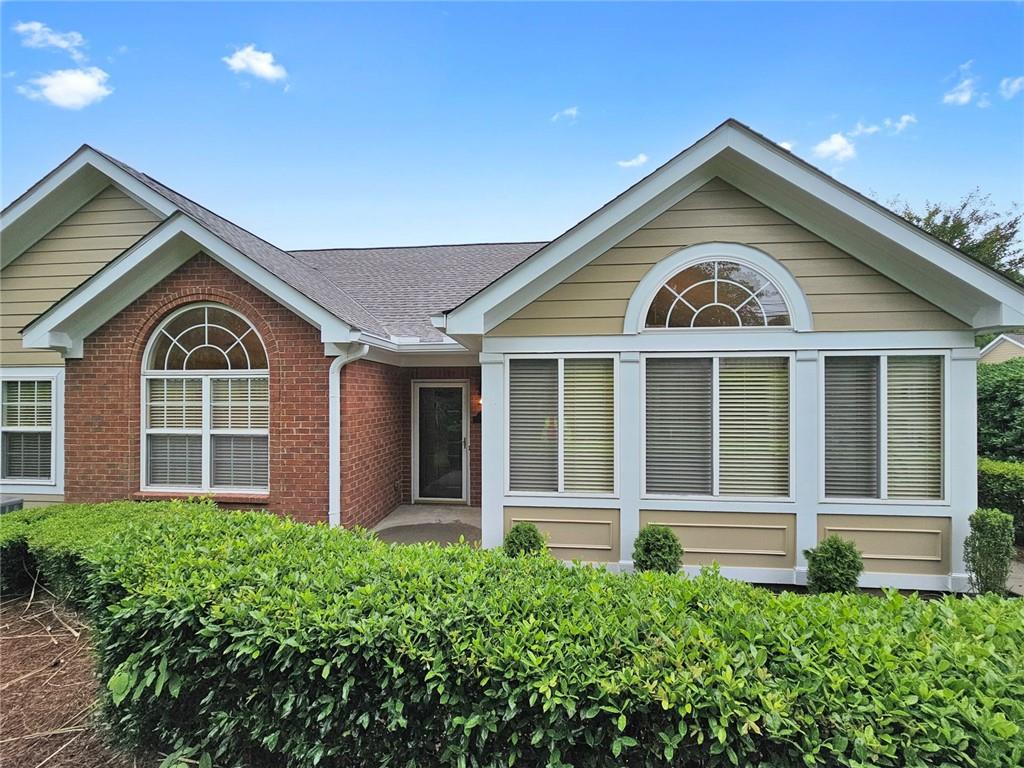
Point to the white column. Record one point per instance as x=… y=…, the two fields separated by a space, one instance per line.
x=492 y=449
x=962 y=454
x=629 y=453
x=807 y=455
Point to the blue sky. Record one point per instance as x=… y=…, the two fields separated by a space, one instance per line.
x=319 y=125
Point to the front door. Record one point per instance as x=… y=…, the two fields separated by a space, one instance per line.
x=440 y=441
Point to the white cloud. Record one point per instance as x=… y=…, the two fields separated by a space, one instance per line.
x=35 y=34
x=69 y=88
x=900 y=125
x=836 y=147
x=984 y=102
x=860 y=129
x=633 y=162
x=260 y=64
x=1011 y=86
x=569 y=113
x=787 y=145
x=962 y=93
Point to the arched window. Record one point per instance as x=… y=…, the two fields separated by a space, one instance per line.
x=206 y=403
x=718 y=294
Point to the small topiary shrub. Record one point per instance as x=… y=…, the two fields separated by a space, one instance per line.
x=1001 y=486
x=1001 y=410
x=524 y=539
x=657 y=549
x=833 y=566
x=988 y=549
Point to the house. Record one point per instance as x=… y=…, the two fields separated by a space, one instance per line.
x=1005 y=346
x=738 y=347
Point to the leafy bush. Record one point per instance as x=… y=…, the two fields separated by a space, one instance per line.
x=17 y=566
x=265 y=642
x=524 y=539
x=834 y=565
x=657 y=549
x=1001 y=486
x=988 y=549
x=1001 y=410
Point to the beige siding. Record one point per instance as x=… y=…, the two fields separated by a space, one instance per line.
x=32 y=500
x=72 y=252
x=894 y=543
x=746 y=539
x=573 y=534
x=845 y=294
x=1001 y=352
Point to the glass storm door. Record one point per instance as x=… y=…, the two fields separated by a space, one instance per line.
x=440 y=442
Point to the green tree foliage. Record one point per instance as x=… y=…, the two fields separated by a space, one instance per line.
x=1001 y=410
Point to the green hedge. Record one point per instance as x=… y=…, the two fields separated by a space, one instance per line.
x=264 y=642
x=1001 y=410
x=1001 y=486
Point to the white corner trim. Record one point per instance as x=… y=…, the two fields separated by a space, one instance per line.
x=334 y=431
x=639 y=303
x=179 y=238
x=996 y=341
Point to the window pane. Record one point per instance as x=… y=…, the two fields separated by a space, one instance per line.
x=533 y=425
x=851 y=427
x=679 y=424
x=26 y=455
x=239 y=461
x=753 y=396
x=589 y=430
x=175 y=460
x=175 y=403
x=206 y=338
x=915 y=427
x=240 y=404
x=28 y=403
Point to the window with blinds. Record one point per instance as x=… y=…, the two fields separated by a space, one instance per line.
x=561 y=425
x=851 y=427
x=26 y=430
x=902 y=459
x=175 y=461
x=742 y=450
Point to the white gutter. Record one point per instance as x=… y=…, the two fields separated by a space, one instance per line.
x=334 y=431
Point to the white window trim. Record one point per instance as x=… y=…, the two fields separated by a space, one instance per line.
x=715 y=417
x=55 y=483
x=414 y=430
x=206 y=431
x=561 y=493
x=883 y=427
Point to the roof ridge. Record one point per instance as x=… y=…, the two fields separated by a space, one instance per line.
x=412 y=247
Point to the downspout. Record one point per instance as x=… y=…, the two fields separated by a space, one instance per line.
x=334 y=430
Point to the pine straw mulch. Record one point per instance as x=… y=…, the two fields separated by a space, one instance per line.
x=48 y=691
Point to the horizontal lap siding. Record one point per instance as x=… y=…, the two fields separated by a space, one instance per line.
x=70 y=254
x=845 y=294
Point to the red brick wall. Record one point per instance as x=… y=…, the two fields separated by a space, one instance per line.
x=102 y=392
x=376 y=437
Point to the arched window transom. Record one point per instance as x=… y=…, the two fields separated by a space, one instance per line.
x=206 y=404
x=718 y=294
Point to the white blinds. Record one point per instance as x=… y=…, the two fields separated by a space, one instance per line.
x=851 y=427
x=26 y=422
x=679 y=425
x=28 y=403
x=239 y=461
x=915 y=426
x=175 y=403
x=533 y=425
x=753 y=437
x=589 y=425
x=26 y=455
x=240 y=404
x=175 y=460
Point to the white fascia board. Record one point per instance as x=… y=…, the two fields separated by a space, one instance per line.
x=141 y=267
x=996 y=342
x=587 y=240
x=73 y=183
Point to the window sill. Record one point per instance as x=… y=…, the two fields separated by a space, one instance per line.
x=221 y=498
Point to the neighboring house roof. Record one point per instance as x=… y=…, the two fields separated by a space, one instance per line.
x=1015 y=339
x=403 y=287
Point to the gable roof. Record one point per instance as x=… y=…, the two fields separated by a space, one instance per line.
x=1017 y=339
x=948 y=278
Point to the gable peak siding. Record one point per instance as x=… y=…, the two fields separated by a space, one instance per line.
x=845 y=294
x=72 y=252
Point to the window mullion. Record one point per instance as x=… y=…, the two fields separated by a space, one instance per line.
x=561 y=425
x=715 y=425
x=207 y=418
x=883 y=427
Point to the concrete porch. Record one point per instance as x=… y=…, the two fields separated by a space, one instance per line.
x=441 y=523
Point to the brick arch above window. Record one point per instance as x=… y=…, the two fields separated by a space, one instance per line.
x=205 y=336
x=738 y=256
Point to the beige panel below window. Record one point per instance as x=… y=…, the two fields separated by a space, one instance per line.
x=573 y=534
x=742 y=539
x=894 y=543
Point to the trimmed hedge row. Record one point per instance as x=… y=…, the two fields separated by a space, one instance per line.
x=1001 y=486
x=1001 y=410
x=258 y=641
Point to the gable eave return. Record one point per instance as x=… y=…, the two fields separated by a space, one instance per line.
x=974 y=294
